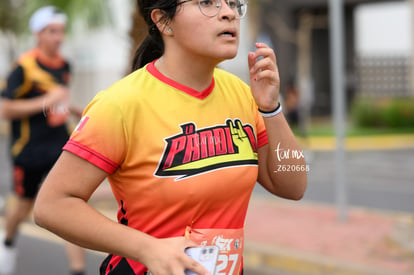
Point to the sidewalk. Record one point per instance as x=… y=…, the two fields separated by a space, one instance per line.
x=304 y=238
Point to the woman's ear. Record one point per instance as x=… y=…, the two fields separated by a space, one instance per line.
x=158 y=18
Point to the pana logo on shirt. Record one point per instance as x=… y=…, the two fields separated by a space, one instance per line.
x=195 y=151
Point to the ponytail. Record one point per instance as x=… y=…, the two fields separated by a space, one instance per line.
x=153 y=46
x=150 y=49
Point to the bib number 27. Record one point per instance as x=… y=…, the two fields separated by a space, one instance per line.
x=226 y=264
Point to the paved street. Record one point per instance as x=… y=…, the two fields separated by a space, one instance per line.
x=4 y=166
x=375 y=179
x=41 y=257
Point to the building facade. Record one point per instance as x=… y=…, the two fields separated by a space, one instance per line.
x=299 y=30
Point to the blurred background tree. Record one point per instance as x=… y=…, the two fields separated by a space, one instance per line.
x=15 y=14
x=138 y=30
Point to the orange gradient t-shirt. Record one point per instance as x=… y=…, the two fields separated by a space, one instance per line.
x=176 y=157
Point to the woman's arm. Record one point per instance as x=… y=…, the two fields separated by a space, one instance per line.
x=61 y=207
x=282 y=167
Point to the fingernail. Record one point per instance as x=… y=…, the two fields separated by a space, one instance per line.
x=255 y=79
x=251 y=54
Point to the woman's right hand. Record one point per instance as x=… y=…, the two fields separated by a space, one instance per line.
x=167 y=256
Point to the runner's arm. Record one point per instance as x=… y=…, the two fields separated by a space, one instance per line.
x=284 y=177
x=22 y=108
x=61 y=207
x=280 y=172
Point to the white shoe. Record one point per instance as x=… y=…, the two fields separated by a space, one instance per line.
x=8 y=257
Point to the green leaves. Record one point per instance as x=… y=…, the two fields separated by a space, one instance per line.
x=15 y=14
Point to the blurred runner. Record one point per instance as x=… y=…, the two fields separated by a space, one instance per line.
x=36 y=101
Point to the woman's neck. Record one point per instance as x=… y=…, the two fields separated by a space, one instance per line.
x=188 y=72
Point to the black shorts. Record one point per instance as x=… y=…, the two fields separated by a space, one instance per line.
x=27 y=181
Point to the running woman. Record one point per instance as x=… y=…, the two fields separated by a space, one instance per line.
x=182 y=144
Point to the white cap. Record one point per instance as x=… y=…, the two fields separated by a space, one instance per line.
x=46 y=16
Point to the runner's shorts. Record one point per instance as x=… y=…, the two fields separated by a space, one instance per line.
x=27 y=181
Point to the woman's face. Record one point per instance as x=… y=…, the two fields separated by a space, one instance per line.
x=198 y=36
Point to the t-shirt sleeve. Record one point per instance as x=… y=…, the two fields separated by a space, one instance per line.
x=261 y=129
x=14 y=81
x=100 y=136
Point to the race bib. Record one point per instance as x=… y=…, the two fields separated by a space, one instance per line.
x=230 y=243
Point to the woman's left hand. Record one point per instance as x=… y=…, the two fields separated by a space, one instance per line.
x=264 y=77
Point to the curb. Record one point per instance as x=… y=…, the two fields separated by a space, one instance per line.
x=403 y=233
x=361 y=143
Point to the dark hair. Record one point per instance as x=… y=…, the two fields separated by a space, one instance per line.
x=153 y=46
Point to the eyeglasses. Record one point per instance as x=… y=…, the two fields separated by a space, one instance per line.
x=211 y=8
